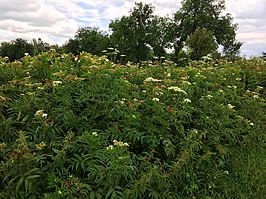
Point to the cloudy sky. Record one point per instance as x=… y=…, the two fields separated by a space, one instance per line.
x=55 y=21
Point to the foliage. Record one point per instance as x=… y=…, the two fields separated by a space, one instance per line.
x=201 y=43
x=264 y=55
x=16 y=49
x=89 y=128
x=140 y=33
x=39 y=46
x=88 y=39
x=207 y=14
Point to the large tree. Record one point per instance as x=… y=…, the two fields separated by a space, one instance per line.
x=207 y=14
x=16 y=49
x=88 y=39
x=141 y=34
x=131 y=34
x=201 y=43
x=39 y=46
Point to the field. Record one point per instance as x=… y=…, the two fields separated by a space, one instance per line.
x=89 y=128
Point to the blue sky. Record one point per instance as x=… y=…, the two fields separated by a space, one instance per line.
x=55 y=21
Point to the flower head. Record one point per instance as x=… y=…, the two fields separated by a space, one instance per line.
x=41 y=113
x=177 y=89
x=56 y=83
x=150 y=79
x=40 y=146
x=209 y=97
x=155 y=99
x=187 y=101
x=230 y=106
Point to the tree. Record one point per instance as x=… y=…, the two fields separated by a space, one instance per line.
x=205 y=14
x=39 y=46
x=159 y=37
x=88 y=39
x=16 y=49
x=141 y=34
x=201 y=43
x=131 y=35
x=263 y=55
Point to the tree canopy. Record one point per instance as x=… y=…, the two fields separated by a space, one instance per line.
x=206 y=14
x=201 y=43
x=15 y=49
x=88 y=39
x=131 y=35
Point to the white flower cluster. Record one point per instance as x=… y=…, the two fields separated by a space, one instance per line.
x=177 y=89
x=122 y=101
x=159 y=93
x=187 y=83
x=117 y=143
x=155 y=99
x=56 y=83
x=209 y=97
x=256 y=96
x=41 y=113
x=187 y=101
x=150 y=79
x=230 y=106
x=94 y=133
x=40 y=146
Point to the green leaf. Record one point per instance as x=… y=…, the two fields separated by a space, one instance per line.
x=31 y=171
x=92 y=196
x=98 y=196
x=33 y=176
x=56 y=150
x=19 y=184
x=26 y=185
x=110 y=191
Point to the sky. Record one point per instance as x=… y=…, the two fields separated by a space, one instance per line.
x=55 y=21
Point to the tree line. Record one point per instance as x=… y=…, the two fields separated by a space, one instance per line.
x=198 y=28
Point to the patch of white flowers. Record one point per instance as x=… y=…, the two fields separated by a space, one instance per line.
x=94 y=133
x=117 y=143
x=209 y=97
x=40 y=146
x=41 y=113
x=256 y=97
x=159 y=93
x=230 y=106
x=187 y=101
x=56 y=83
x=177 y=89
x=187 y=83
x=155 y=99
x=150 y=79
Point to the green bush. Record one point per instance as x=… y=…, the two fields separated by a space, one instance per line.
x=89 y=128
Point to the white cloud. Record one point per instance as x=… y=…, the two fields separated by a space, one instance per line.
x=31 y=18
x=55 y=20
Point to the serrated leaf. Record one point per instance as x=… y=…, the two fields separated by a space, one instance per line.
x=110 y=191
x=26 y=185
x=19 y=184
x=33 y=176
x=31 y=171
x=98 y=196
x=92 y=196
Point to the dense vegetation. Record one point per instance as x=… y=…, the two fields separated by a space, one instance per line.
x=143 y=36
x=89 y=128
